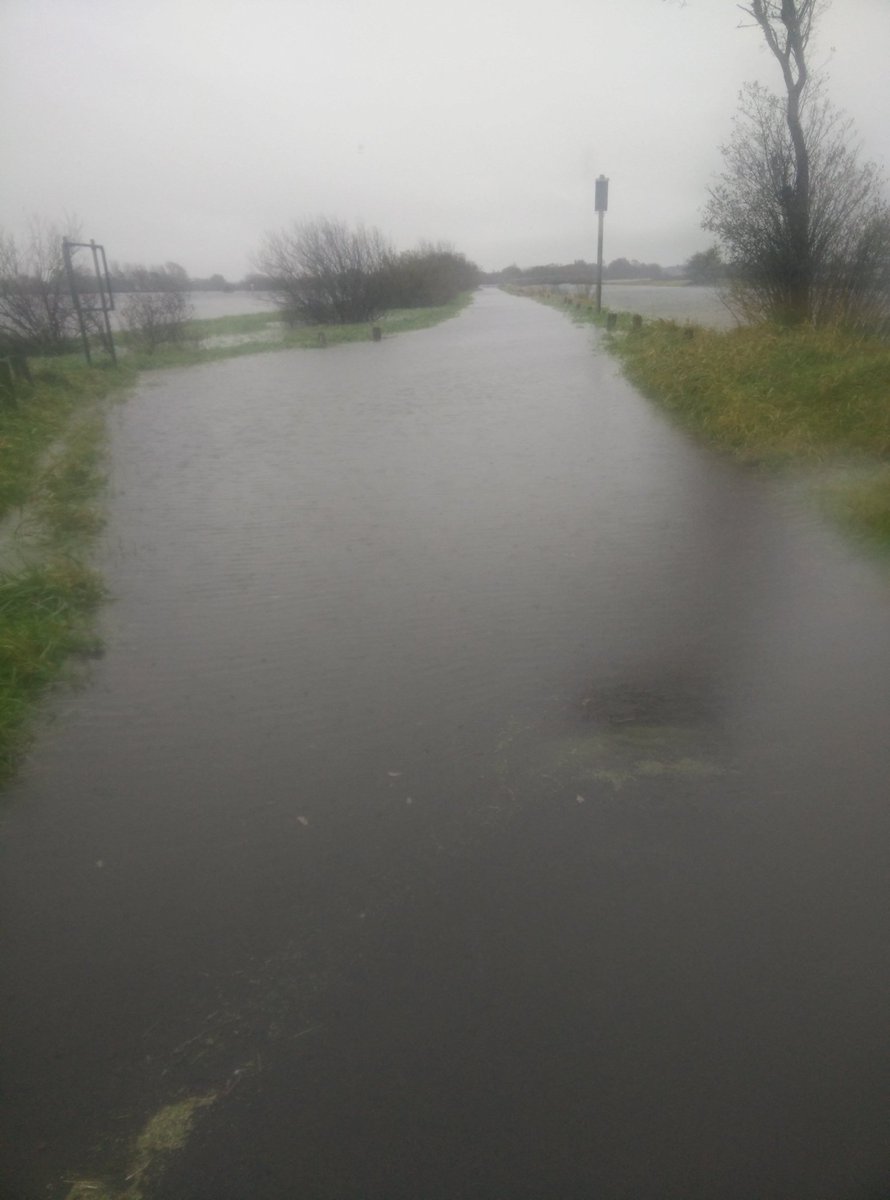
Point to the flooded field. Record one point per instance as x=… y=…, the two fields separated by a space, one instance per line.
x=693 y=303
x=209 y=305
x=483 y=793
x=697 y=304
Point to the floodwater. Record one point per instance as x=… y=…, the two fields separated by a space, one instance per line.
x=209 y=305
x=685 y=303
x=690 y=302
x=483 y=794
x=206 y=305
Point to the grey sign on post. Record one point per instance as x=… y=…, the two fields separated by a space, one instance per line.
x=601 y=199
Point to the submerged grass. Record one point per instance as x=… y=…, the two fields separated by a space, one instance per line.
x=798 y=397
x=166 y=1131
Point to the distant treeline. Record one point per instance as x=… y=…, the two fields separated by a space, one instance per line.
x=706 y=267
x=131 y=277
x=579 y=272
x=324 y=272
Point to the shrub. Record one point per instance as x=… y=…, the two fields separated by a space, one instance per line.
x=157 y=310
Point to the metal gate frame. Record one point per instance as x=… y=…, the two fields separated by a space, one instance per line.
x=105 y=295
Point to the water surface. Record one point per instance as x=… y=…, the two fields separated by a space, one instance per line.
x=483 y=794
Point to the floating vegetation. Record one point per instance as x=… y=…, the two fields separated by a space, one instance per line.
x=167 y=1130
x=625 y=758
x=690 y=768
x=626 y=738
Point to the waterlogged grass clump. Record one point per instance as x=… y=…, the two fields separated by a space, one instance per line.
x=45 y=616
x=861 y=500
x=91 y=1189
x=166 y=1131
x=643 y=743
x=618 y=757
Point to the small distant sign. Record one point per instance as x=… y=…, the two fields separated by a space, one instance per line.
x=601 y=201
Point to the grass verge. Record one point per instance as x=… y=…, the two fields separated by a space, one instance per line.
x=52 y=449
x=811 y=399
x=45 y=616
x=52 y=439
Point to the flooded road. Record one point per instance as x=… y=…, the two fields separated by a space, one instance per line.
x=483 y=794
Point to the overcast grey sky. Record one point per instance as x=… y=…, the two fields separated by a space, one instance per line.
x=183 y=129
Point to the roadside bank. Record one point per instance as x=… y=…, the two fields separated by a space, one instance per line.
x=813 y=403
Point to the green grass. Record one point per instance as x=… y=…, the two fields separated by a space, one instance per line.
x=804 y=398
x=62 y=391
x=254 y=322
x=52 y=450
x=71 y=481
x=767 y=394
x=44 y=620
x=51 y=473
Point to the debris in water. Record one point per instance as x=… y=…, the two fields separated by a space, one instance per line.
x=394 y=774
x=303 y=820
x=580 y=799
x=166 y=1131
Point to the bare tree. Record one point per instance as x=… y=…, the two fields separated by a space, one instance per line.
x=835 y=268
x=157 y=308
x=434 y=273
x=36 y=308
x=321 y=271
x=787 y=26
x=802 y=221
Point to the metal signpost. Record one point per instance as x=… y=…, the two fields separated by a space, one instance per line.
x=100 y=300
x=601 y=203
